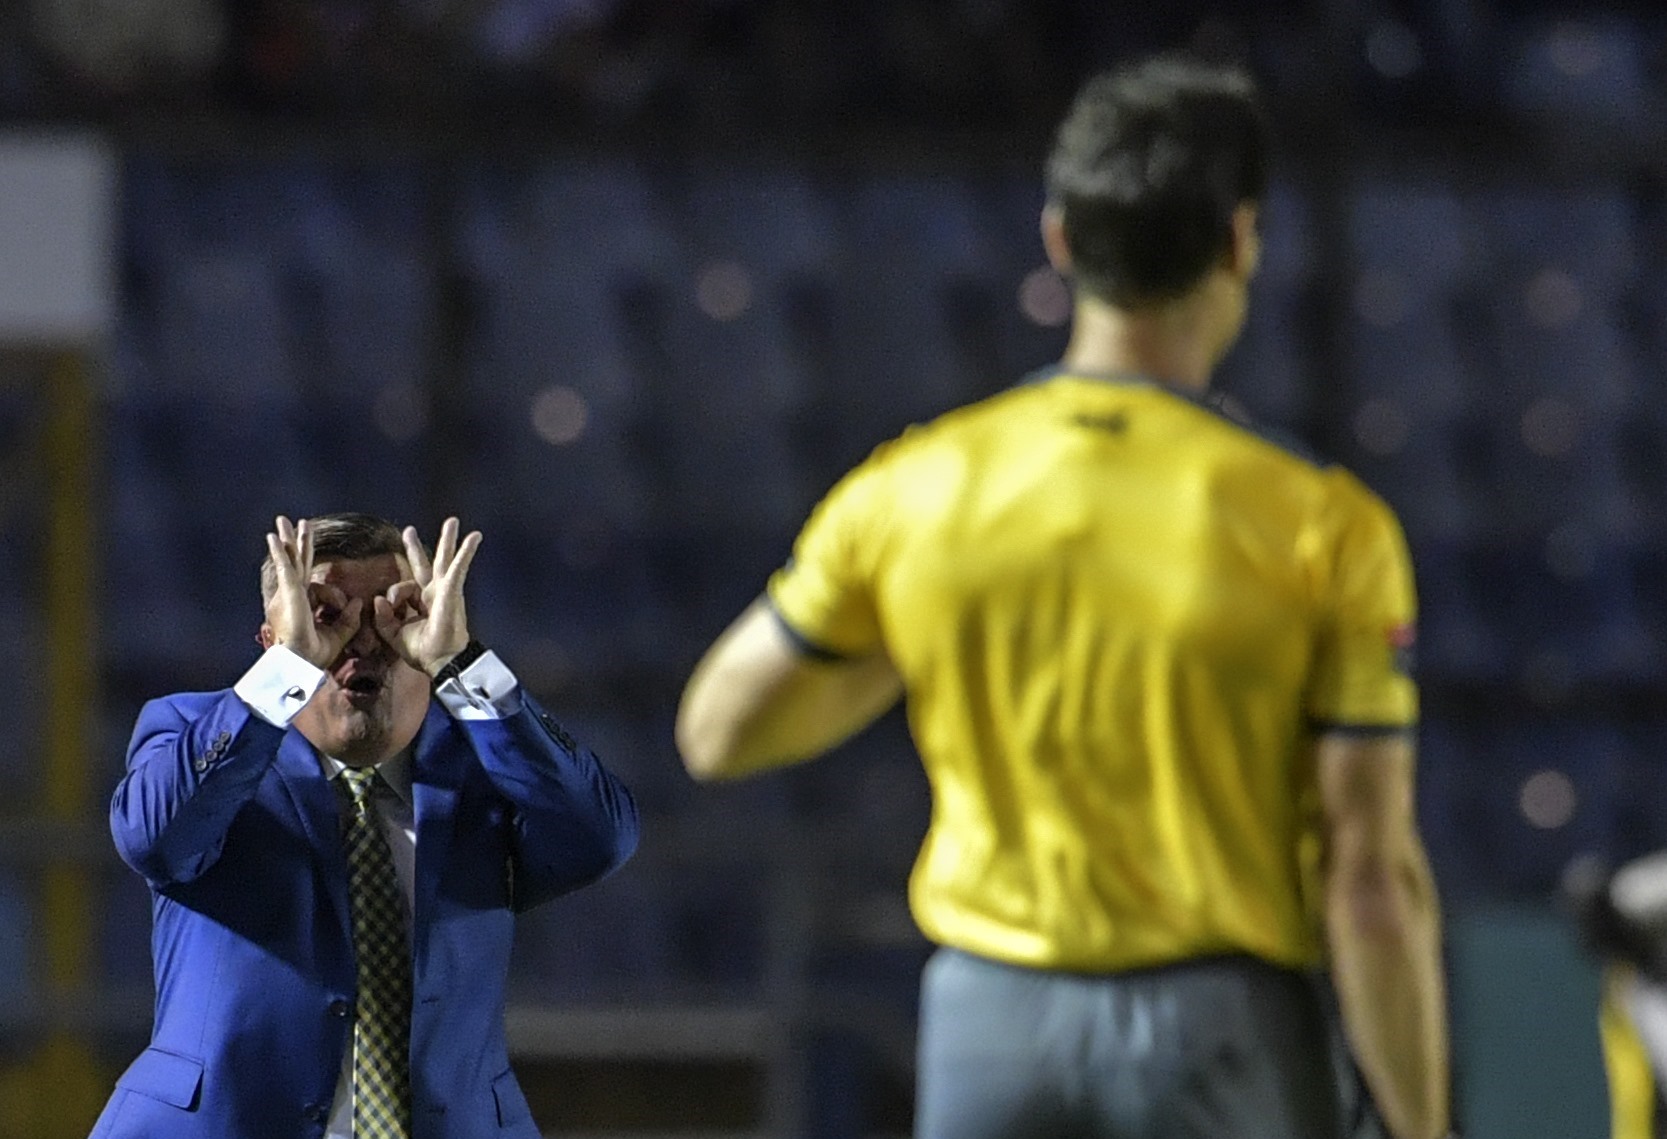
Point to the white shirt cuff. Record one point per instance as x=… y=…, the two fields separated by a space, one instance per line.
x=278 y=685
x=486 y=690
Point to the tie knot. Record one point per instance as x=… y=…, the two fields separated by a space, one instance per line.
x=358 y=781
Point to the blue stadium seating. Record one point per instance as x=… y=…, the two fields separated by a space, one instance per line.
x=1641 y=789
x=193 y=482
x=1592 y=68
x=20 y=933
x=910 y=241
x=1409 y=247
x=777 y=222
x=1272 y=369
x=1463 y=627
x=1558 y=263
x=1527 y=857
x=1450 y=793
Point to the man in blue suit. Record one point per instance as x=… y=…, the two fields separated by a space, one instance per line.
x=250 y=812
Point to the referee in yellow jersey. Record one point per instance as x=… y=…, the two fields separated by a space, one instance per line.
x=1152 y=662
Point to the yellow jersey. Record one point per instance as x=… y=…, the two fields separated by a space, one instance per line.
x=1634 y=1104
x=1118 y=615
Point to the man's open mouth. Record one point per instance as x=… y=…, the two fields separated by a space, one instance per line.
x=363 y=684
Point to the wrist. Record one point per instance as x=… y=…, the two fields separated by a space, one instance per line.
x=453 y=666
x=300 y=652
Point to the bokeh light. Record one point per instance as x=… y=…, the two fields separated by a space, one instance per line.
x=1548 y=800
x=559 y=415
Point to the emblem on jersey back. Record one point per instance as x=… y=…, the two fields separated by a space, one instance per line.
x=1403 y=643
x=1115 y=422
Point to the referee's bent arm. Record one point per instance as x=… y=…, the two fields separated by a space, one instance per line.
x=758 y=700
x=1384 y=929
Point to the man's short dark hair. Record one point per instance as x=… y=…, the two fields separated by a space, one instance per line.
x=1147 y=170
x=346 y=537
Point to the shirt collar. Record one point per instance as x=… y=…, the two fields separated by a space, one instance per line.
x=1207 y=397
x=395 y=772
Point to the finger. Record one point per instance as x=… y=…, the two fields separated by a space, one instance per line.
x=446 y=547
x=459 y=568
x=286 y=538
x=421 y=569
x=402 y=597
x=280 y=560
x=326 y=600
x=304 y=546
x=348 y=623
x=402 y=589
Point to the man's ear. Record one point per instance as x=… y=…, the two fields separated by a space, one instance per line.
x=1053 y=239
x=1244 y=253
x=264 y=635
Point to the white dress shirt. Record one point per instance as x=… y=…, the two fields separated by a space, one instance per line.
x=280 y=683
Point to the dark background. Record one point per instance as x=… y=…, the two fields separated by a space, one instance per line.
x=628 y=285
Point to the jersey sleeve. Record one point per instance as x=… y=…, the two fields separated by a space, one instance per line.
x=824 y=595
x=1362 y=675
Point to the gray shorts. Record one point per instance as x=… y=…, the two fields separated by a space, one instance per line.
x=1223 y=1048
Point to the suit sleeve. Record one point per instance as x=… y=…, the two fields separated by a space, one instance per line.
x=192 y=765
x=574 y=821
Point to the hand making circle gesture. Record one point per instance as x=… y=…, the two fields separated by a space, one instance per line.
x=424 y=619
x=313 y=619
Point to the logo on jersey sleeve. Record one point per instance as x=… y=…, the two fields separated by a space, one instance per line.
x=1403 y=644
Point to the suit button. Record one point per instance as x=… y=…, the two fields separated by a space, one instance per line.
x=221 y=740
x=316 y=1113
x=339 y=1008
x=201 y=765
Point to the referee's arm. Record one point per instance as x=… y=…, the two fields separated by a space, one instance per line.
x=759 y=699
x=1384 y=928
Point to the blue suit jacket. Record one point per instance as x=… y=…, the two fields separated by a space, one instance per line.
x=235 y=827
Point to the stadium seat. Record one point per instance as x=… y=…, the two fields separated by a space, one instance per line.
x=1591 y=69
x=1641 y=787
x=20 y=930
x=776 y=222
x=1409 y=245
x=1550 y=796
x=180 y=596
x=23 y=697
x=1450 y=793
x=1272 y=370
x=1463 y=624
x=1559 y=264
x=1570 y=615
x=911 y=241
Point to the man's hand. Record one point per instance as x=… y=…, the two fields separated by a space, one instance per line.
x=313 y=620
x=424 y=620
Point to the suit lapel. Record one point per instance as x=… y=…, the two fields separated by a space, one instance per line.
x=434 y=791
x=320 y=813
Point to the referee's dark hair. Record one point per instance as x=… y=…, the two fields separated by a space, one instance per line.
x=1146 y=172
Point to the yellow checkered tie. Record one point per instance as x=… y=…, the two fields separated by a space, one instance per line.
x=382 y=1013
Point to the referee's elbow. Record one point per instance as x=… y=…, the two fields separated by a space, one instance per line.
x=706 y=743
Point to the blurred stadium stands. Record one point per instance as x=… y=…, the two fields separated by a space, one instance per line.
x=636 y=366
